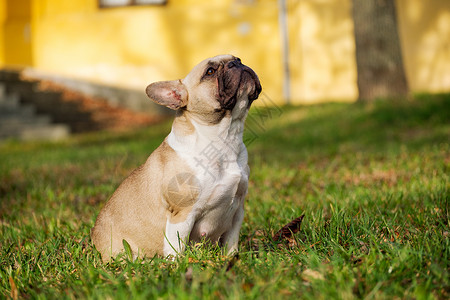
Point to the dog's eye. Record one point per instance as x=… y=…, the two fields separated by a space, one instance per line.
x=210 y=71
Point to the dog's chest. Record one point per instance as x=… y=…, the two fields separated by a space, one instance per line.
x=219 y=203
x=221 y=170
x=221 y=180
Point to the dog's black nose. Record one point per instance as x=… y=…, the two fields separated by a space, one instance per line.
x=234 y=63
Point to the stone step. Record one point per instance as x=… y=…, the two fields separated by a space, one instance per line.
x=29 y=132
x=20 y=121
x=17 y=121
x=94 y=107
x=10 y=111
x=9 y=100
x=2 y=90
x=51 y=132
x=33 y=128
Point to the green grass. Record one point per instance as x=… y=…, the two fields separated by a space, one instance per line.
x=371 y=180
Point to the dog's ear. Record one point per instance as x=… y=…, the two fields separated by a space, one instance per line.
x=172 y=94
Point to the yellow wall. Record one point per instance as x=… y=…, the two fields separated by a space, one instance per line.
x=2 y=33
x=322 y=50
x=132 y=46
x=425 y=35
x=15 y=35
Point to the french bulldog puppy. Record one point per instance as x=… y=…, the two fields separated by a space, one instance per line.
x=192 y=187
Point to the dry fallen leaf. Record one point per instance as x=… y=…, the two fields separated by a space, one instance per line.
x=14 y=291
x=289 y=229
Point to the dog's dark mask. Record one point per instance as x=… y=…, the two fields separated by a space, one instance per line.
x=234 y=78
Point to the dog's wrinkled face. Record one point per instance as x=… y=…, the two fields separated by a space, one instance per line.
x=214 y=87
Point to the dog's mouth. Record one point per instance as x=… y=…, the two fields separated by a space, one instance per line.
x=234 y=82
x=256 y=85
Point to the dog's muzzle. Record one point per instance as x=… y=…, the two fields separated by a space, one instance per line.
x=236 y=79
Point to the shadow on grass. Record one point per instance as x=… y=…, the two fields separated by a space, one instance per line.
x=330 y=129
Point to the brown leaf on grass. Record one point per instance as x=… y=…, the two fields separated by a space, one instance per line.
x=14 y=290
x=247 y=287
x=289 y=229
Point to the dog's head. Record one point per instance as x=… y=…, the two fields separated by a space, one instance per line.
x=213 y=88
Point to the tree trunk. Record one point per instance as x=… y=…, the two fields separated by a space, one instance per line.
x=378 y=52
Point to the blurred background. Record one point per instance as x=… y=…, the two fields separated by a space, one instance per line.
x=304 y=51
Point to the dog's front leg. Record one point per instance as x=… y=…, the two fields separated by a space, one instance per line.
x=177 y=235
x=230 y=239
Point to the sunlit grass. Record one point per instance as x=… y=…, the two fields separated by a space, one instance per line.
x=371 y=180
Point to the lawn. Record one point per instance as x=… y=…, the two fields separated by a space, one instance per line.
x=372 y=182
